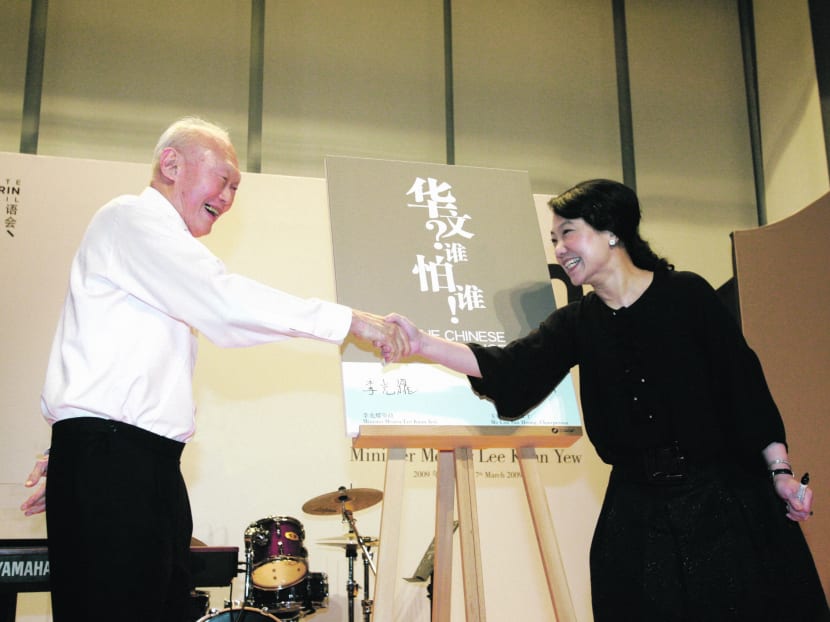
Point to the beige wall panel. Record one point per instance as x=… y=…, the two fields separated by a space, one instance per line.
x=536 y=90
x=694 y=166
x=14 y=43
x=352 y=78
x=117 y=73
x=795 y=161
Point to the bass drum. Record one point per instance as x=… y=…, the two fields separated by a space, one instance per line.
x=239 y=614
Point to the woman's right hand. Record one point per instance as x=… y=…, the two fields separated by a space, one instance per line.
x=412 y=332
x=451 y=354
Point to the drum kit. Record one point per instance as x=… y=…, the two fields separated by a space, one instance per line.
x=278 y=583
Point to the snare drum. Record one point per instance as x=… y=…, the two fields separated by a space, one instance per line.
x=306 y=596
x=248 y=614
x=279 y=559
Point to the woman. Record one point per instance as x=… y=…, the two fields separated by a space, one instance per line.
x=699 y=521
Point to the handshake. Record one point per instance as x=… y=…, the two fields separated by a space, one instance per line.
x=398 y=338
x=395 y=336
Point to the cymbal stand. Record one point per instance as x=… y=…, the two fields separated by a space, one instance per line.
x=351 y=586
x=348 y=516
x=366 y=602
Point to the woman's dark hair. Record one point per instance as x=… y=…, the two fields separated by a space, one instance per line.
x=610 y=206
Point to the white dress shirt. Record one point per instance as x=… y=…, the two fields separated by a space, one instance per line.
x=140 y=287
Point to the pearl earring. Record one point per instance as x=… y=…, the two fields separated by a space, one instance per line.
x=612 y=242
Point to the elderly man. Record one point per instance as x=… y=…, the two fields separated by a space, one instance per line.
x=118 y=389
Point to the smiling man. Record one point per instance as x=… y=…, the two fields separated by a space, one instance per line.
x=195 y=168
x=118 y=390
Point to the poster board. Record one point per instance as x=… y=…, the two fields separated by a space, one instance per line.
x=784 y=294
x=457 y=250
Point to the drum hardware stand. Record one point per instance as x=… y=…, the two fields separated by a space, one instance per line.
x=367 y=602
x=351 y=586
x=249 y=563
x=351 y=553
x=346 y=501
x=429 y=594
x=250 y=536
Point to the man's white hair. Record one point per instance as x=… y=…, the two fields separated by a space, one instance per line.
x=186 y=132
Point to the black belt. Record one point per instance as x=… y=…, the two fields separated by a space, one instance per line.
x=665 y=465
x=82 y=426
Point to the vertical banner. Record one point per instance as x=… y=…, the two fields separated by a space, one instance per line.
x=457 y=250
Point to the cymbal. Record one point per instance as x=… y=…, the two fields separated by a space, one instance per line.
x=352 y=499
x=346 y=542
x=347 y=539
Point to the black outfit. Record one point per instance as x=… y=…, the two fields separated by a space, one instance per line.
x=121 y=487
x=673 y=397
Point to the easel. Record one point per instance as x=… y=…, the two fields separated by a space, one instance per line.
x=455 y=446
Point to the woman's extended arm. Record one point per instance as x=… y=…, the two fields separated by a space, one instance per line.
x=451 y=354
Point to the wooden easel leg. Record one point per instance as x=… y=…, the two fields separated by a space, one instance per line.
x=546 y=536
x=390 y=521
x=470 y=541
x=444 y=508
